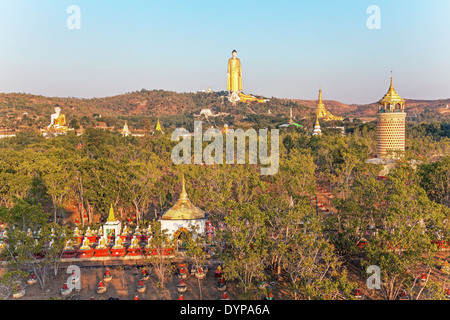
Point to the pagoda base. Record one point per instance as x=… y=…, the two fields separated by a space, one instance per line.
x=85 y=253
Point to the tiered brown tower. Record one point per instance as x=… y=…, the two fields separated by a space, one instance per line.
x=391 y=123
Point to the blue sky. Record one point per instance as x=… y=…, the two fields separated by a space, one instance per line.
x=288 y=49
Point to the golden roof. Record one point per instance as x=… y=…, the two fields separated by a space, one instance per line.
x=183 y=208
x=391 y=96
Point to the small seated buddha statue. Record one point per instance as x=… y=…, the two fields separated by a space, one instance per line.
x=78 y=235
x=107 y=276
x=225 y=296
x=68 y=250
x=149 y=250
x=221 y=286
x=102 y=249
x=182 y=286
x=218 y=273
x=65 y=290
x=85 y=245
x=358 y=293
x=118 y=250
x=19 y=292
x=144 y=274
x=182 y=273
x=141 y=287
x=32 y=279
x=134 y=249
x=85 y=250
x=200 y=274
x=101 y=287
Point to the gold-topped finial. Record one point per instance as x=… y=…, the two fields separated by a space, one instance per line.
x=183 y=194
x=111 y=217
x=391 y=97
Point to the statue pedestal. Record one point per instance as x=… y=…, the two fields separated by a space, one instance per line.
x=104 y=252
x=149 y=251
x=118 y=252
x=85 y=253
x=69 y=254
x=134 y=252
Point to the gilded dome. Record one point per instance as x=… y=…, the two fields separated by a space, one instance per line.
x=183 y=208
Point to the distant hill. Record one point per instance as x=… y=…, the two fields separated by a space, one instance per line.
x=20 y=110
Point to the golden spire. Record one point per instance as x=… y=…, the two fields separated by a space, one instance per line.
x=183 y=194
x=322 y=112
x=391 y=97
x=317 y=122
x=290 y=117
x=158 y=126
x=111 y=217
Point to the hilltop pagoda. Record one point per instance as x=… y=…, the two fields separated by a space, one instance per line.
x=323 y=113
x=126 y=131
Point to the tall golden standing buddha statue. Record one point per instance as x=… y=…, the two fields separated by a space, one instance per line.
x=234 y=75
x=234 y=81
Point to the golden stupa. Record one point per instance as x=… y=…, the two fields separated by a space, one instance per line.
x=322 y=112
x=158 y=127
x=183 y=209
x=111 y=217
